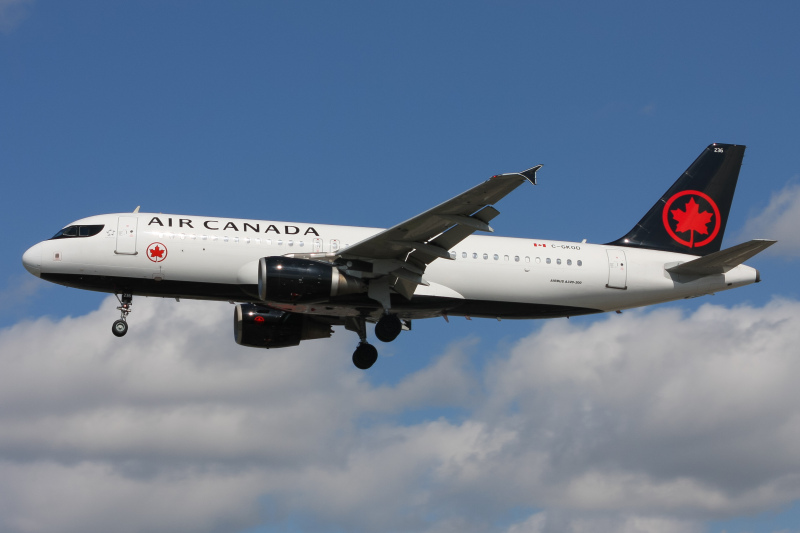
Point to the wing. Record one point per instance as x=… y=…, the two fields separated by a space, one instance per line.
x=431 y=234
x=396 y=258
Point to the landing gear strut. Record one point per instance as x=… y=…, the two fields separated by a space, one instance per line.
x=365 y=354
x=120 y=327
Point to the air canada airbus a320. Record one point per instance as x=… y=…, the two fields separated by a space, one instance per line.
x=294 y=281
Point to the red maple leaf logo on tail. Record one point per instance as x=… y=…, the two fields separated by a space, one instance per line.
x=691 y=219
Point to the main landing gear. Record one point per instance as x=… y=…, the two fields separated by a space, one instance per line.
x=365 y=354
x=387 y=329
x=120 y=327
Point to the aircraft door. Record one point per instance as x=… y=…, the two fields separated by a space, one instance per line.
x=617 y=269
x=317 y=245
x=126 y=235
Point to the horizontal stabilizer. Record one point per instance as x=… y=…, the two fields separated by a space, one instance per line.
x=723 y=260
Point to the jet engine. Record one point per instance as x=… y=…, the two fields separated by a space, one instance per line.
x=294 y=280
x=263 y=327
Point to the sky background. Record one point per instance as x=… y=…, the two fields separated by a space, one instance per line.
x=680 y=418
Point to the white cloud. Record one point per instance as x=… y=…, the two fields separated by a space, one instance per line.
x=779 y=220
x=12 y=13
x=648 y=421
x=648 y=109
x=18 y=292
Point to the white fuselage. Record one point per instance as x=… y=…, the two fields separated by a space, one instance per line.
x=214 y=258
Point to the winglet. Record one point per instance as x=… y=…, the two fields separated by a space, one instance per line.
x=137 y=209
x=530 y=174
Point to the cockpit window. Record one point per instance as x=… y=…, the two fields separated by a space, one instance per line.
x=78 y=231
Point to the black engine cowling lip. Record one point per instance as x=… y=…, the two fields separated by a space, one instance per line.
x=294 y=280
x=278 y=329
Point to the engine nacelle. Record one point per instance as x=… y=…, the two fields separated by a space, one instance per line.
x=264 y=327
x=293 y=280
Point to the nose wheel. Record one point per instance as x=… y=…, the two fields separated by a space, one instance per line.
x=120 y=327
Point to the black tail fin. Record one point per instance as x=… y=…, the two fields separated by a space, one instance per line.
x=691 y=216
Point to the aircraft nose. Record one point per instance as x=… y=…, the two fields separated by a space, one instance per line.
x=32 y=259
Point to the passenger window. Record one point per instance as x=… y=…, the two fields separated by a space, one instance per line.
x=485 y=256
x=280 y=242
x=474 y=255
x=225 y=238
x=452 y=255
x=496 y=257
x=236 y=240
x=558 y=261
x=505 y=258
x=290 y=242
x=538 y=260
x=527 y=259
x=580 y=263
x=301 y=243
x=569 y=262
x=463 y=255
x=205 y=237
x=547 y=260
x=268 y=242
x=516 y=258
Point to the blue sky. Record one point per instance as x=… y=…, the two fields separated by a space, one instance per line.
x=366 y=114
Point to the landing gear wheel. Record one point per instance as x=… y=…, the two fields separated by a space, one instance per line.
x=388 y=328
x=119 y=328
x=365 y=356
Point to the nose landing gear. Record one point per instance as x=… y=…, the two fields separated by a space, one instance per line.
x=120 y=327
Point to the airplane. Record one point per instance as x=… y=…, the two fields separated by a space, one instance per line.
x=292 y=282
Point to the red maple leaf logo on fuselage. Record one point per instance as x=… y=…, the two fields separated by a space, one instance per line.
x=156 y=252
